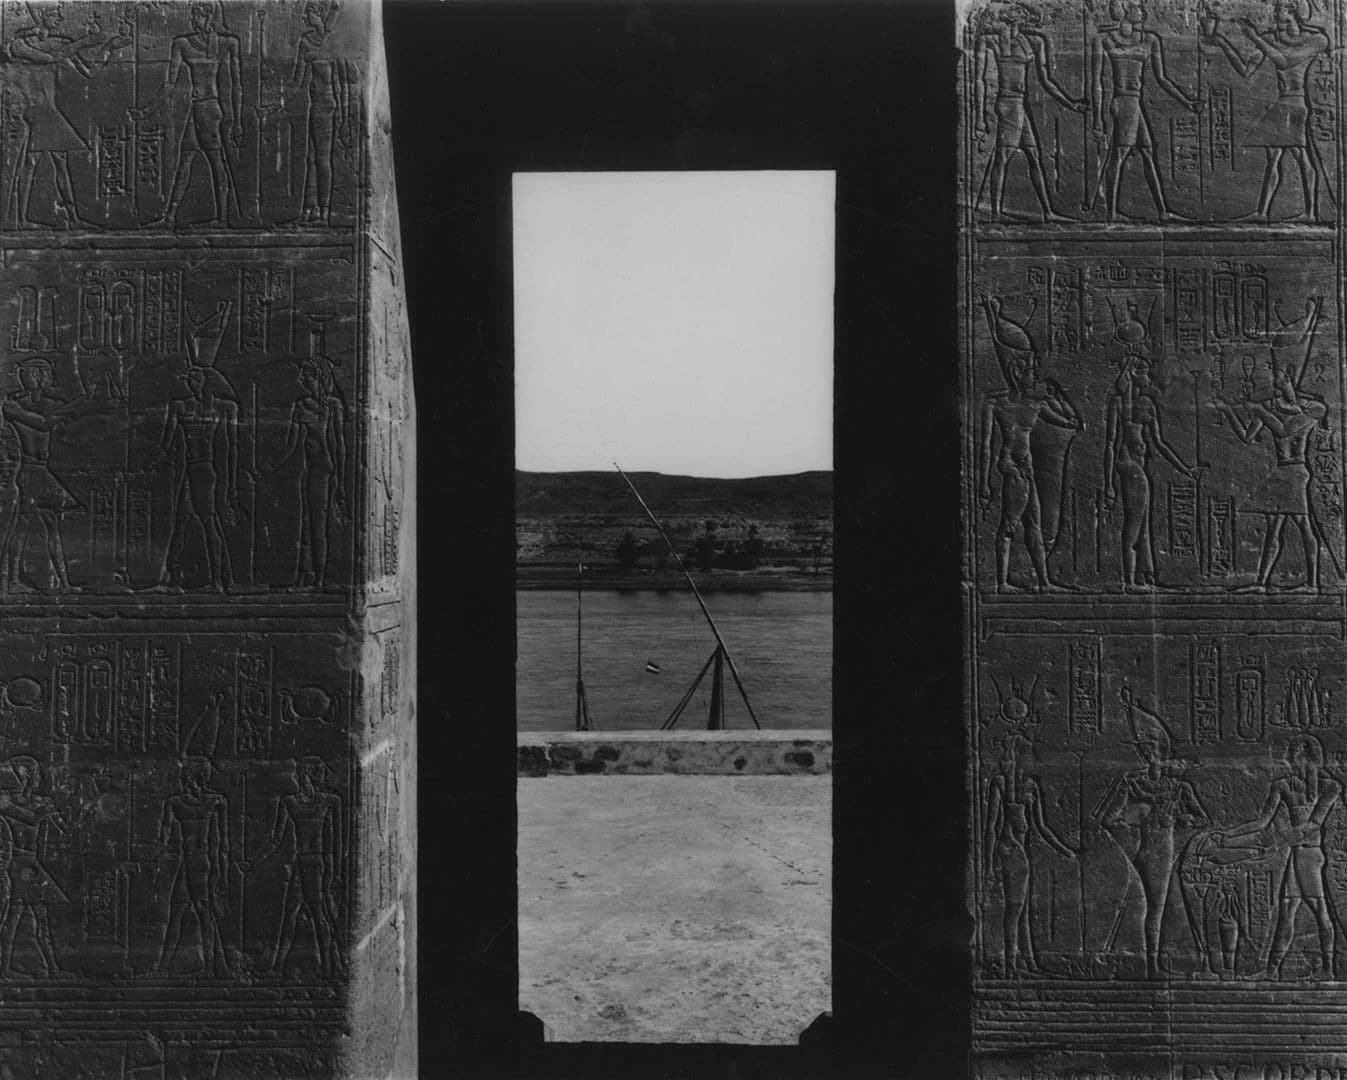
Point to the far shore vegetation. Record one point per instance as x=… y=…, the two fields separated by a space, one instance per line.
x=770 y=532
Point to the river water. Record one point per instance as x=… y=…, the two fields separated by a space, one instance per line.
x=781 y=643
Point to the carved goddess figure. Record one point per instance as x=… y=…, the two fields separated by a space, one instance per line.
x=1014 y=815
x=1133 y=423
x=317 y=431
x=325 y=84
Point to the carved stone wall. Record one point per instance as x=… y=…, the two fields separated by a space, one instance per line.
x=1152 y=321
x=206 y=631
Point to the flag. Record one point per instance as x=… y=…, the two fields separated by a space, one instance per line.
x=651 y=667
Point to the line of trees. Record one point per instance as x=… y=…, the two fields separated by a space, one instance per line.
x=709 y=551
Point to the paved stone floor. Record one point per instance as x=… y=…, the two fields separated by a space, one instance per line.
x=675 y=908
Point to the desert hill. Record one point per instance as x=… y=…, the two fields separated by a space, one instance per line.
x=774 y=525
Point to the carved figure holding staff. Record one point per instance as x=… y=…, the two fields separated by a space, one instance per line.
x=1008 y=38
x=1127 y=51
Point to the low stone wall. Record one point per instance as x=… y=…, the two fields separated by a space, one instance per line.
x=642 y=753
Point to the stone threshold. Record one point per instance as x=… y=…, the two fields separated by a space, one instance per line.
x=706 y=753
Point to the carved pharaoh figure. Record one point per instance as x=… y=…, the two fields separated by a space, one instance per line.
x=28 y=816
x=1126 y=51
x=197 y=819
x=202 y=430
x=1303 y=800
x=35 y=58
x=210 y=57
x=311 y=819
x=1289 y=47
x=1009 y=421
x=1289 y=416
x=32 y=415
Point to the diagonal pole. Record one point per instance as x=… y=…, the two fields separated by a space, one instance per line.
x=1310 y=333
x=700 y=602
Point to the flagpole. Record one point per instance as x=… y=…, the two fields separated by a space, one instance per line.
x=582 y=722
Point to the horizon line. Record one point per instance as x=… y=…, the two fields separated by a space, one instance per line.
x=659 y=472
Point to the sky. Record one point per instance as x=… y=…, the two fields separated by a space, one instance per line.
x=674 y=322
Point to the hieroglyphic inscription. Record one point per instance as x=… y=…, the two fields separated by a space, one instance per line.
x=1153 y=359
x=195 y=442
x=1086 y=714
x=1205 y=670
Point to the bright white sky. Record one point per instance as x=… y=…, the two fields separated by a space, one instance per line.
x=674 y=322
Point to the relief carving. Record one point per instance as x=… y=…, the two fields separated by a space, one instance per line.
x=1152 y=112
x=1153 y=353
x=193 y=487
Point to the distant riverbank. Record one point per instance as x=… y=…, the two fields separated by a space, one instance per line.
x=763 y=534
x=533 y=576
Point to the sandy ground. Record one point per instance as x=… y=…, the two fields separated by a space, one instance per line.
x=675 y=908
